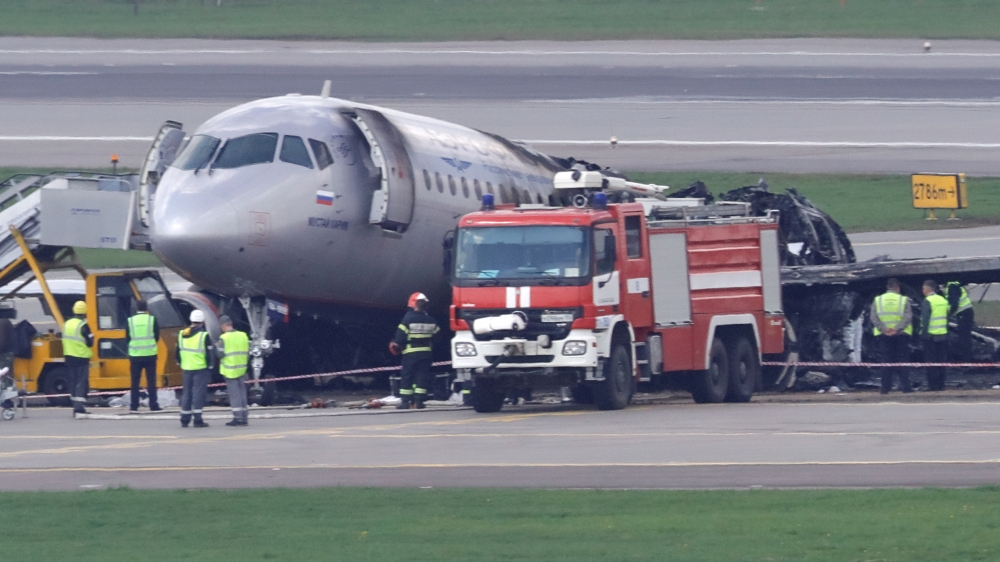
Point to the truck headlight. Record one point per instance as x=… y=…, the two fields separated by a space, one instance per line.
x=575 y=347
x=465 y=349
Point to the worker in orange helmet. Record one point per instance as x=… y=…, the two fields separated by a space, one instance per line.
x=413 y=340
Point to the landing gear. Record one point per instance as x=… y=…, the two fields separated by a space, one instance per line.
x=261 y=393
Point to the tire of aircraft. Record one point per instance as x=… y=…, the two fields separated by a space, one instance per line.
x=269 y=390
x=710 y=386
x=485 y=400
x=57 y=382
x=744 y=370
x=616 y=390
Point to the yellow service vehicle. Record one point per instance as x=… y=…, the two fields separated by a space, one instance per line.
x=111 y=299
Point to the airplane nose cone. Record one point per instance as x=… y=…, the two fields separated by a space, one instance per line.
x=197 y=235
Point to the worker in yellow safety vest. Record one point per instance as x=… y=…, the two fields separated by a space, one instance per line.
x=934 y=333
x=960 y=306
x=196 y=355
x=234 y=352
x=893 y=325
x=143 y=337
x=78 y=342
x=413 y=339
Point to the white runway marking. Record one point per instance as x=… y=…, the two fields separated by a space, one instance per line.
x=738 y=143
x=43 y=73
x=874 y=102
x=503 y=52
x=776 y=144
x=65 y=138
x=895 y=242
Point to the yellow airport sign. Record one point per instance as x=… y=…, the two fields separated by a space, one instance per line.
x=939 y=191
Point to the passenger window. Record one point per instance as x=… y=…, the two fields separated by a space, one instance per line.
x=489 y=188
x=539 y=197
x=293 y=151
x=478 y=189
x=515 y=195
x=633 y=240
x=451 y=184
x=257 y=148
x=527 y=196
x=503 y=193
x=465 y=188
x=439 y=181
x=604 y=251
x=322 y=153
x=427 y=180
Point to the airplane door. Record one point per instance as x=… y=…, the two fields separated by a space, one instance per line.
x=392 y=203
x=162 y=152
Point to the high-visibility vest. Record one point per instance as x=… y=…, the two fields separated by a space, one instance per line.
x=964 y=302
x=418 y=336
x=74 y=345
x=236 y=353
x=193 y=351
x=938 y=324
x=890 y=308
x=141 y=330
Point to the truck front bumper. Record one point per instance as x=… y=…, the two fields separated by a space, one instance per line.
x=519 y=353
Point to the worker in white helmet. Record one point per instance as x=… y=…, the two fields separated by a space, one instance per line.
x=413 y=340
x=78 y=343
x=196 y=355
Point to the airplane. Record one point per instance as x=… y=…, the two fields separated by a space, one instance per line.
x=323 y=214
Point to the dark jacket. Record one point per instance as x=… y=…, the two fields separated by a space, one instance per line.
x=210 y=353
x=415 y=322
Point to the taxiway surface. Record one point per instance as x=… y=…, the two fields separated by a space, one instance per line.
x=673 y=446
x=771 y=105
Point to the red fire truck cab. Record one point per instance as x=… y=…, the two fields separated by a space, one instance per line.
x=598 y=297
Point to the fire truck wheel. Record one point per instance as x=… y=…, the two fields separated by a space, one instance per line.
x=744 y=370
x=710 y=386
x=485 y=400
x=57 y=382
x=616 y=390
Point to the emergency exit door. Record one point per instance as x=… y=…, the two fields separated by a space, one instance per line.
x=392 y=202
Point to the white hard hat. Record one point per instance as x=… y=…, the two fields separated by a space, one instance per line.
x=197 y=316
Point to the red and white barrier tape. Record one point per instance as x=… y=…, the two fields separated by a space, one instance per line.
x=276 y=379
x=842 y=364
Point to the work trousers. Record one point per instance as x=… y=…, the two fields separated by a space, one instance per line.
x=237 y=391
x=193 y=395
x=963 y=343
x=137 y=365
x=415 y=378
x=894 y=349
x=935 y=351
x=79 y=381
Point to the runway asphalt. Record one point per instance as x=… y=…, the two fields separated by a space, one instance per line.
x=797 y=105
x=671 y=446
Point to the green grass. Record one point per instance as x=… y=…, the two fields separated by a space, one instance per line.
x=858 y=202
x=448 y=20
x=488 y=525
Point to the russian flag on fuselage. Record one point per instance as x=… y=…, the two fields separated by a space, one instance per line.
x=324 y=197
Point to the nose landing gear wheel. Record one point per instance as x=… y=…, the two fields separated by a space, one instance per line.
x=8 y=414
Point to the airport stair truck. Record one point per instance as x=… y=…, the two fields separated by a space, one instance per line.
x=42 y=218
x=599 y=296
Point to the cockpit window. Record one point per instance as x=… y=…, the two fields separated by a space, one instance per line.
x=197 y=153
x=322 y=153
x=257 y=148
x=293 y=151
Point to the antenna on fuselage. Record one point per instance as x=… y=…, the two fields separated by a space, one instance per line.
x=325 y=92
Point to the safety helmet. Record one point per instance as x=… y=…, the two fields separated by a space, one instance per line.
x=416 y=297
x=197 y=316
x=79 y=307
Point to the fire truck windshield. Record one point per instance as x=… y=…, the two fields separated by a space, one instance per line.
x=559 y=254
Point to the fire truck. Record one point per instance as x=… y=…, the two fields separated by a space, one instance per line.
x=619 y=286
